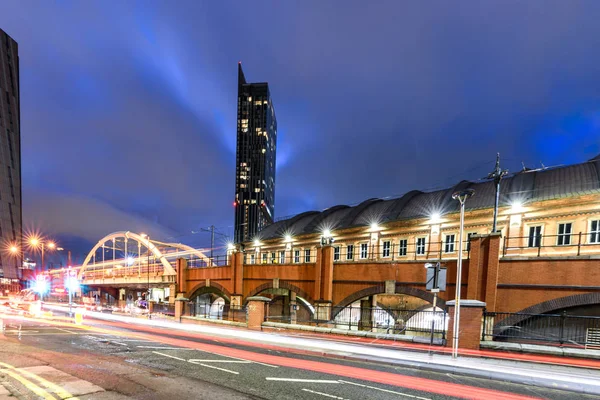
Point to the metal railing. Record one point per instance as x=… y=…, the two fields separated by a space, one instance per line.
x=281 y=257
x=561 y=329
x=398 y=251
x=214 y=311
x=163 y=308
x=379 y=319
x=548 y=245
x=221 y=260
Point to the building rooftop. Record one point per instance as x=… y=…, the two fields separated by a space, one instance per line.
x=522 y=187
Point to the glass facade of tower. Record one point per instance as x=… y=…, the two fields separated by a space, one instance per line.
x=255 y=159
x=10 y=157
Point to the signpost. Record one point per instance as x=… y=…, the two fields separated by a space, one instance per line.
x=436 y=282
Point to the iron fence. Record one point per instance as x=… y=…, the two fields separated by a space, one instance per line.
x=163 y=308
x=538 y=244
x=398 y=250
x=215 y=311
x=286 y=257
x=562 y=329
x=221 y=260
x=386 y=320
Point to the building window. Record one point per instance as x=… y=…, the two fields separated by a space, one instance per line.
x=273 y=259
x=387 y=245
x=350 y=252
x=307 y=255
x=336 y=253
x=469 y=240
x=264 y=258
x=420 y=246
x=402 y=247
x=296 y=256
x=449 y=244
x=282 y=257
x=252 y=259
x=595 y=231
x=564 y=234
x=535 y=236
x=364 y=250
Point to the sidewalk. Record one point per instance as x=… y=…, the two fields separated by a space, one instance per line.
x=531 y=371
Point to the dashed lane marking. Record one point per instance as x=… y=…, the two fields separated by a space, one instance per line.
x=213 y=367
x=170 y=356
x=385 y=390
x=331 y=396
x=301 y=380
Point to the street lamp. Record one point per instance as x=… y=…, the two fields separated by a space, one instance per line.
x=35 y=243
x=147 y=237
x=462 y=197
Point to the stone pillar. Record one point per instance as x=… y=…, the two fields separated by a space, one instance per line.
x=322 y=311
x=471 y=317
x=293 y=308
x=256 y=310
x=327 y=273
x=181 y=269
x=150 y=307
x=475 y=282
x=237 y=273
x=172 y=293
x=493 y=266
x=180 y=308
x=367 y=308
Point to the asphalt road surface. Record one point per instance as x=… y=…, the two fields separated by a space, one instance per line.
x=105 y=360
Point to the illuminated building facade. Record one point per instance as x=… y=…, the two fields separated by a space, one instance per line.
x=10 y=157
x=255 y=159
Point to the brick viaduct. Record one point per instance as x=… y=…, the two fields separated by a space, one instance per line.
x=505 y=284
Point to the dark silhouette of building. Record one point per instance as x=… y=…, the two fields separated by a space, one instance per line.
x=10 y=159
x=255 y=159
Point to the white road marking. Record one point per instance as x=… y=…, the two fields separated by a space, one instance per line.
x=158 y=347
x=135 y=340
x=170 y=356
x=236 y=358
x=65 y=330
x=221 y=361
x=119 y=343
x=325 y=394
x=301 y=380
x=385 y=390
x=213 y=367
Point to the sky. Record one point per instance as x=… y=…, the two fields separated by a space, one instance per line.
x=128 y=109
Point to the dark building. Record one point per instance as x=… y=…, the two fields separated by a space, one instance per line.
x=255 y=159
x=10 y=159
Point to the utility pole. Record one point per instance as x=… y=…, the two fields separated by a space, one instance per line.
x=497 y=174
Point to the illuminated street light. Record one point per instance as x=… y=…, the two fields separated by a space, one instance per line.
x=288 y=238
x=14 y=249
x=326 y=233
x=35 y=243
x=256 y=243
x=516 y=207
x=435 y=218
x=462 y=197
x=374 y=226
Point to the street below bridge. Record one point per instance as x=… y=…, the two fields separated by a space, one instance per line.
x=114 y=359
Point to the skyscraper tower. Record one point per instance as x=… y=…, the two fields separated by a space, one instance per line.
x=10 y=158
x=255 y=159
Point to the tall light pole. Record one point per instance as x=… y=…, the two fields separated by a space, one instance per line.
x=147 y=237
x=462 y=197
x=496 y=175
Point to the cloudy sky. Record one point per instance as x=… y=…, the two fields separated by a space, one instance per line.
x=128 y=108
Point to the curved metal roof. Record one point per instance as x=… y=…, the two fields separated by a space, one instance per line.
x=524 y=186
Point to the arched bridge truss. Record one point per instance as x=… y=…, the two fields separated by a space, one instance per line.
x=127 y=253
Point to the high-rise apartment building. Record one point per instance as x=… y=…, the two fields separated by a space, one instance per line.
x=10 y=160
x=255 y=159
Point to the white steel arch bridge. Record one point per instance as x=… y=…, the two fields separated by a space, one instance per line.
x=128 y=258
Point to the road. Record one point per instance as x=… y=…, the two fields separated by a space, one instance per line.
x=113 y=360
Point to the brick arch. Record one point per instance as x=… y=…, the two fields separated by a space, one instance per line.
x=214 y=287
x=282 y=285
x=544 y=307
x=380 y=289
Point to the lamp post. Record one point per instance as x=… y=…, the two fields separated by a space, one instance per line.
x=497 y=174
x=462 y=197
x=147 y=237
x=35 y=243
